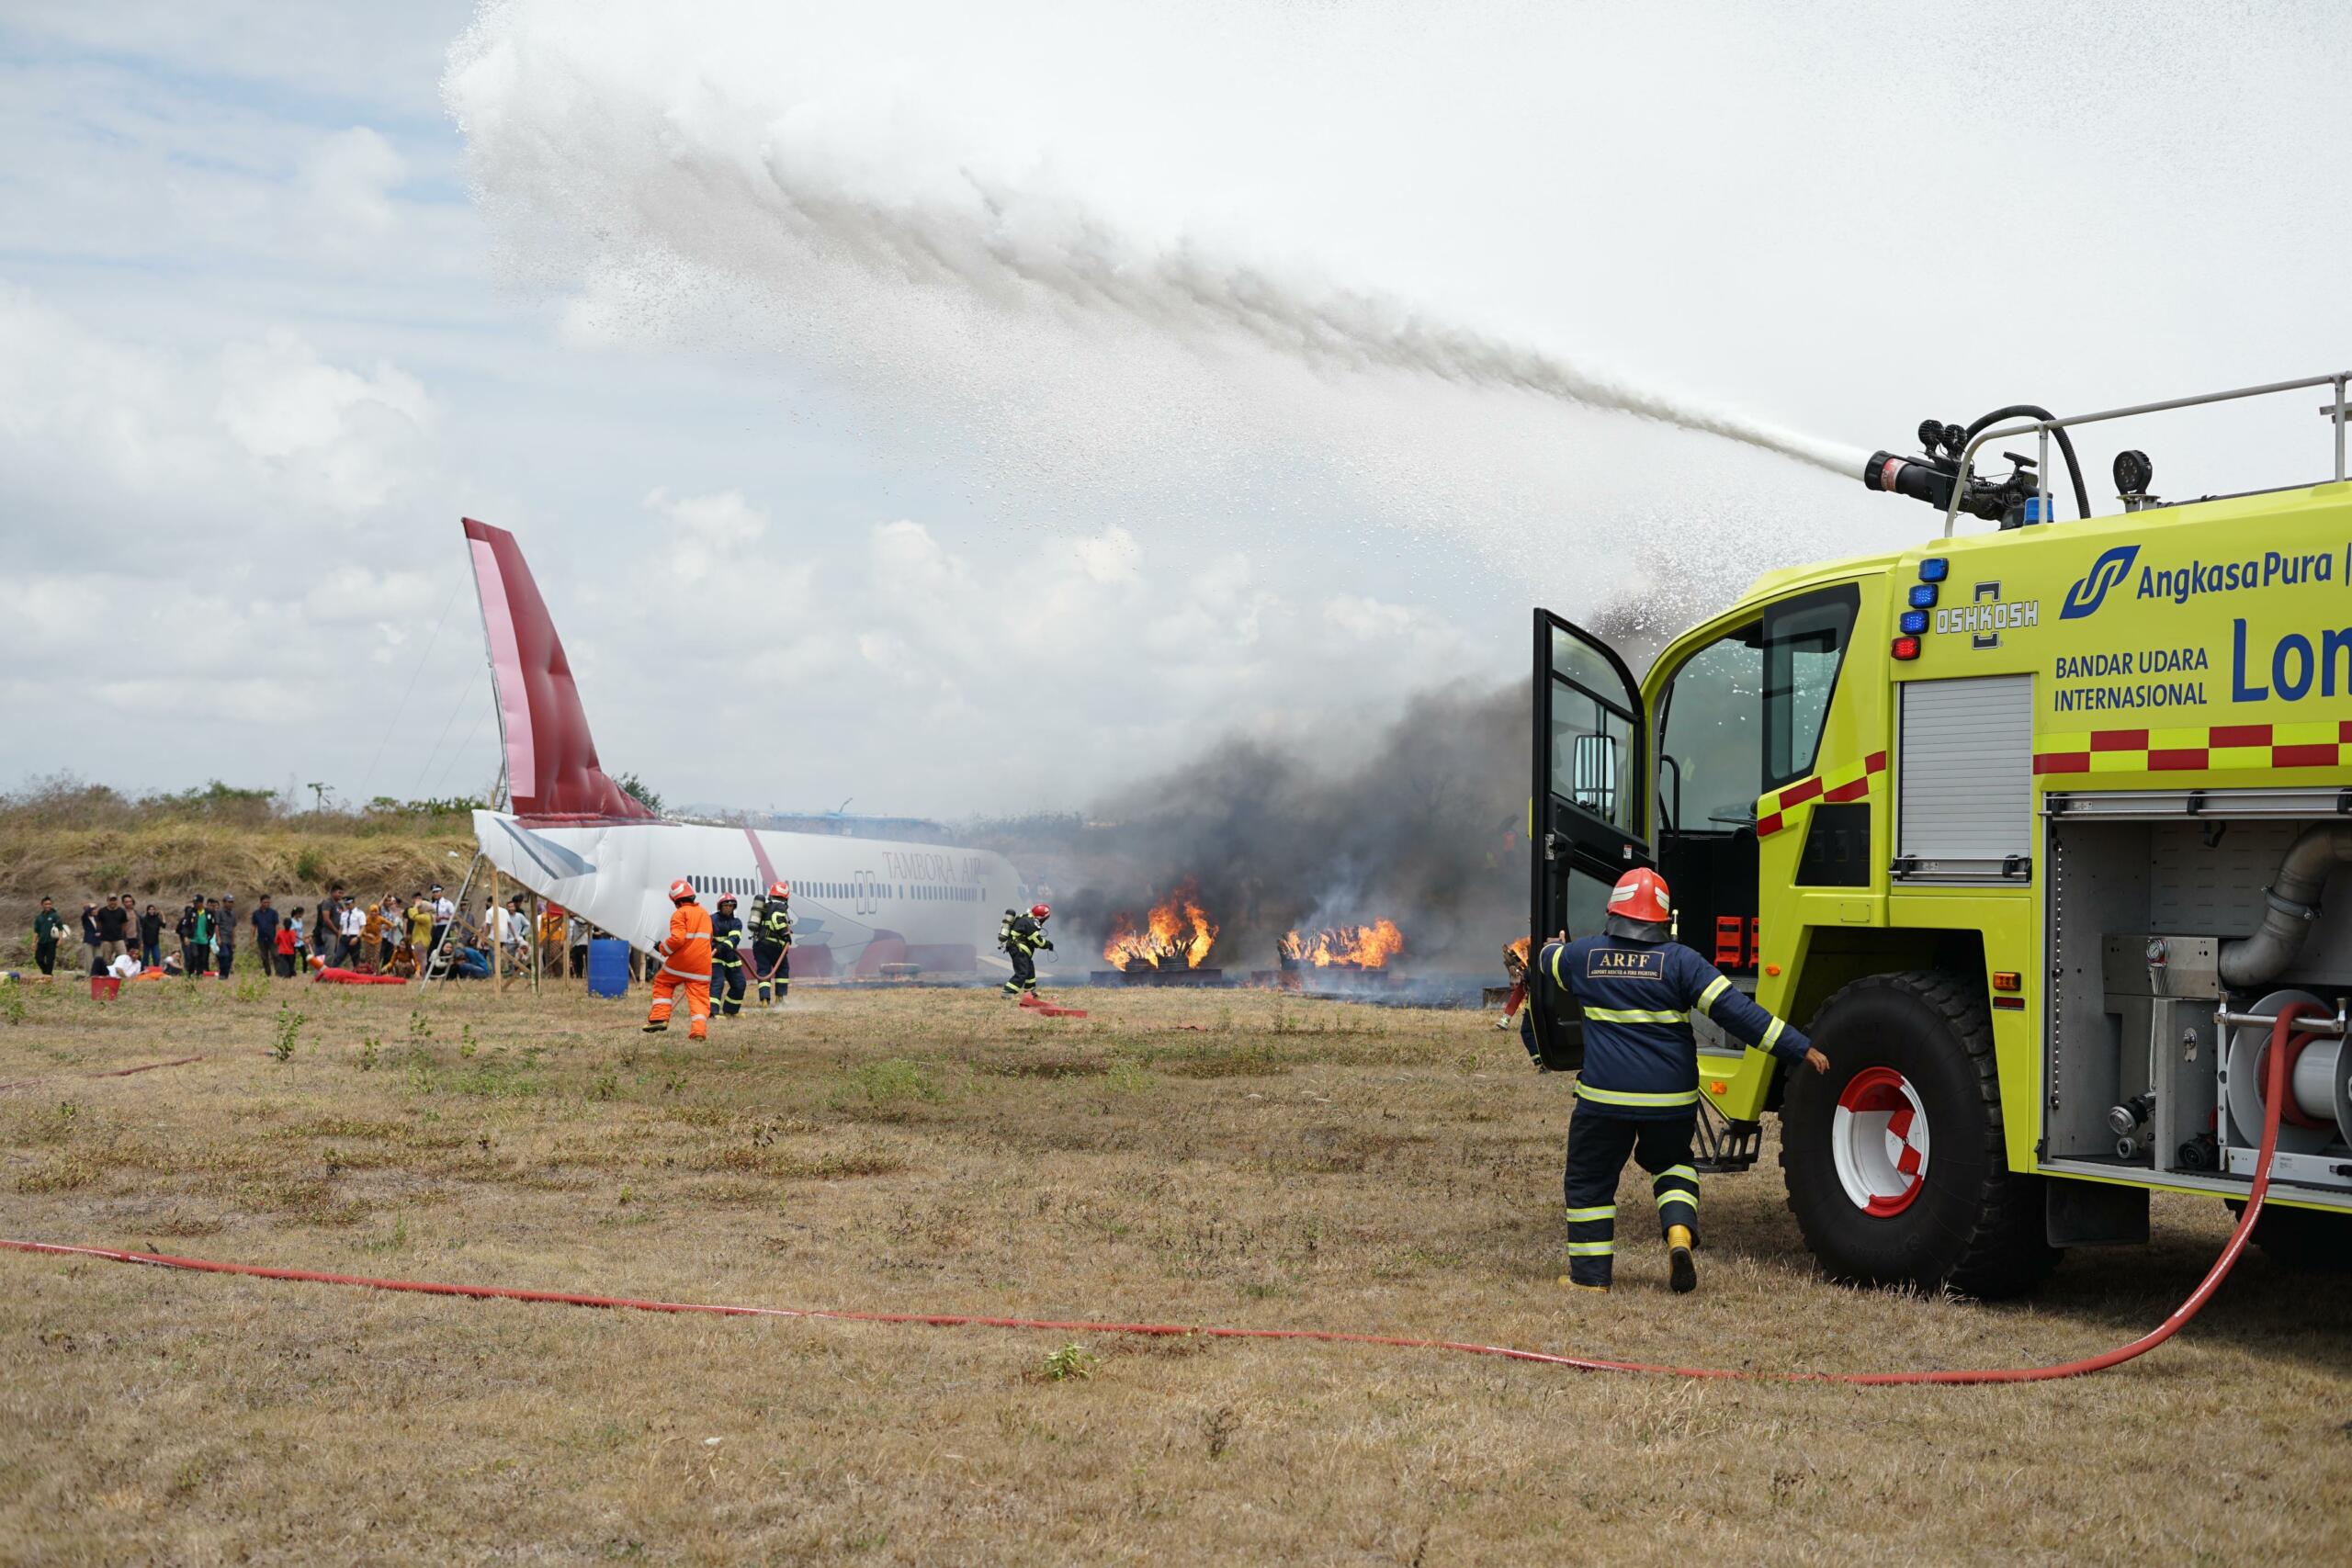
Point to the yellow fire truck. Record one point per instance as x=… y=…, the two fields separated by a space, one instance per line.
x=2032 y=828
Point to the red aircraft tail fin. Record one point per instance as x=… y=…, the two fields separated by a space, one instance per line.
x=552 y=770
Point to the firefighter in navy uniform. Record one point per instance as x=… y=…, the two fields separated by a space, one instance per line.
x=1638 y=1093
x=1022 y=937
x=772 y=943
x=726 y=961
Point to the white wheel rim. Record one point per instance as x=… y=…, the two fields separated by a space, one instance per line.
x=1878 y=1137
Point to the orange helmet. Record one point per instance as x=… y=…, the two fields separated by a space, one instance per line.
x=779 y=889
x=681 y=891
x=1040 y=911
x=1641 y=894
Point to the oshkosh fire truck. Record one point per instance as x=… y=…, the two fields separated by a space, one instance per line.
x=2033 y=828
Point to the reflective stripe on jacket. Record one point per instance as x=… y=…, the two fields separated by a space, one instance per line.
x=685 y=953
x=1641 y=1058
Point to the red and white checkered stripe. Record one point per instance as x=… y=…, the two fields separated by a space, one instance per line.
x=1850 y=783
x=2216 y=748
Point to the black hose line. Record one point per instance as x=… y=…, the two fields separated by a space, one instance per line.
x=2065 y=444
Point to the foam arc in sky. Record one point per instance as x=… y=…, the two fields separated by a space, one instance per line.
x=649 y=175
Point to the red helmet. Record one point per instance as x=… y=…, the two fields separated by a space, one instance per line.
x=779 y=889
x=1641 y=894
x=1040 y=911
x=681 y=891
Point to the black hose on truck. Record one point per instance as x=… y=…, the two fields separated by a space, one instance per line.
x=2065 y=444
x=2293 y=904
x=1934 y=476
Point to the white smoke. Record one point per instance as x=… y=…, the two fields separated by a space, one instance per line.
x=692 y=183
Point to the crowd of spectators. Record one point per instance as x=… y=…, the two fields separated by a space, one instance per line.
x=426 y=933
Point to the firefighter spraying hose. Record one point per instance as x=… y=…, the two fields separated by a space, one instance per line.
x=725 y=959
x=771 y=944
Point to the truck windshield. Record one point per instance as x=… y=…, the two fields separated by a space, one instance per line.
x=1710 y=736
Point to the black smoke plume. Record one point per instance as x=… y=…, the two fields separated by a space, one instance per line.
x=1423 y=822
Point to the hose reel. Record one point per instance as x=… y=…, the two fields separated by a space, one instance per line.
x=2317 y=1110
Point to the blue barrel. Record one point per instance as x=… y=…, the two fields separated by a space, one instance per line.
x=607 y=966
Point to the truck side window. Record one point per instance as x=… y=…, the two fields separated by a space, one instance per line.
x=1711 y=743
x=1805 y=644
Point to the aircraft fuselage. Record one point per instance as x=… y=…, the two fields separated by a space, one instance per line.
x=857 y=904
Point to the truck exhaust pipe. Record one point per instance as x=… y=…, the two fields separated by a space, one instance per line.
x=2293 y=899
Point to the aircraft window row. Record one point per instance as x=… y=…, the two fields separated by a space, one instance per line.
x=748 y=887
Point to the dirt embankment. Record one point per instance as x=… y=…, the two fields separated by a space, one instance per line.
x=79 y=846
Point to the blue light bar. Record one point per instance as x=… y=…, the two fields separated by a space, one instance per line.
x=1924 y=596
x=1914 y=621
x=1935 y=568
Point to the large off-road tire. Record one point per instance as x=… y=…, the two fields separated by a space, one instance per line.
x=1894 y=1158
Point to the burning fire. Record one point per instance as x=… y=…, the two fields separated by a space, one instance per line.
x=1177 y=934
x=1361 y=947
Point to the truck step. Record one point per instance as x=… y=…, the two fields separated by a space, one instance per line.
x=1725 y=1147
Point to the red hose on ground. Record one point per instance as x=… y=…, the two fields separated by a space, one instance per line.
x=2275 y=1091
x=332 y=977
x=113 y=1073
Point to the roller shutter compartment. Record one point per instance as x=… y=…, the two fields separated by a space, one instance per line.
x=1964 y=795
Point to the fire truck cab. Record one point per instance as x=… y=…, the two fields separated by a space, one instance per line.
x=2034 y=831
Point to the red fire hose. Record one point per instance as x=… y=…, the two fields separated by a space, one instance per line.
x=2275 y=1092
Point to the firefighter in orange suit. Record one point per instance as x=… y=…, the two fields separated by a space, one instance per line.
x=685 y=961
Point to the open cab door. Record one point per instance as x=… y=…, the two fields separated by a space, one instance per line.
x=1585 y=828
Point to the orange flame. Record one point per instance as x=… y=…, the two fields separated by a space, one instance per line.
x=1178 y=933
x=1365 y=947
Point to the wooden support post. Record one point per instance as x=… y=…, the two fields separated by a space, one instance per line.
x=497 y=948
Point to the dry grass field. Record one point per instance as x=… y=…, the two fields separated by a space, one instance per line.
x=1230 y=1158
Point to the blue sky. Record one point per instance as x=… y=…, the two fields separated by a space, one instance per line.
x=270 y=322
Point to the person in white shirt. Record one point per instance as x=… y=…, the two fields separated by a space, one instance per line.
x=498 y=927
x=124 y=967
x=514 y=935
x=444 y=910
x=353 y=924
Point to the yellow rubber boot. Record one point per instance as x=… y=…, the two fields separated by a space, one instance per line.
x=1682 y=1275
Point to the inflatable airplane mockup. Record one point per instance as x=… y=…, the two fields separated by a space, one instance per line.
x=575 y=837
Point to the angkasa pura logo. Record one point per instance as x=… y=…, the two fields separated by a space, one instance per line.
x=2090 y=592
